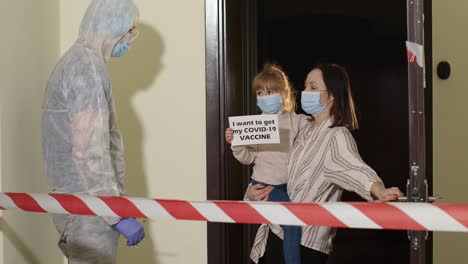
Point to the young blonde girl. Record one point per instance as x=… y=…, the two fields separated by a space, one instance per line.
x=274 y=96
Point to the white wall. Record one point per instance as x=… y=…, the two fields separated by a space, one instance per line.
x=450 y=42
x=159 y=87
x=30 y=49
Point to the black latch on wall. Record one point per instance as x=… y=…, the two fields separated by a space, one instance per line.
x=443 y=70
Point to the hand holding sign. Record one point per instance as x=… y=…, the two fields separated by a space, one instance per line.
x=229 y=135
x=256 y=129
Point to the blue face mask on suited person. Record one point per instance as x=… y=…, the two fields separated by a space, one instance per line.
x=121 y=49
x=270 y=104
x=310 y=103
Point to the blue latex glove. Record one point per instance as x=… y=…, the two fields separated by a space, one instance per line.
x=131 y=229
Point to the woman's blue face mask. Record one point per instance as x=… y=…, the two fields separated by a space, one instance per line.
x=310 y=103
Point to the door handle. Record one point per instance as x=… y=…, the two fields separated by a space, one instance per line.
x=430 y=199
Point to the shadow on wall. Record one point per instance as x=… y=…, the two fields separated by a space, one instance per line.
x=18 y=243
x=133 y=73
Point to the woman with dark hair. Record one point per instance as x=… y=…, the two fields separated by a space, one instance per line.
x=323 y=162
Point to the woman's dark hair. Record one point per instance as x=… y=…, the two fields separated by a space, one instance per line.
x=343 y=110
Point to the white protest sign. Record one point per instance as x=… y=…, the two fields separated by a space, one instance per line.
x=254 y=129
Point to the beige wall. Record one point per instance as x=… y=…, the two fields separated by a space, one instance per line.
x=159 y=87
x=450 y=41
x=30 y=47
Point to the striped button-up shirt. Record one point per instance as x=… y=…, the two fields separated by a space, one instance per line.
x=324 y=161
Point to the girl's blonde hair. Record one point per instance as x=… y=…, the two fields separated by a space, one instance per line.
x=273 y=78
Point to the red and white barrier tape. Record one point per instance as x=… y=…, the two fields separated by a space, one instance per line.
x=396 y=216
x=415 y=53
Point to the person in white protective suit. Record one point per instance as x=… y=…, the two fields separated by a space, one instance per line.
x=82 y=148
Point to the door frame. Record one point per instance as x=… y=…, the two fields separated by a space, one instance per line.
x=231 y=61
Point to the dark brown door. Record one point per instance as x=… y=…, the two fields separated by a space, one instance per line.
x=368 y=37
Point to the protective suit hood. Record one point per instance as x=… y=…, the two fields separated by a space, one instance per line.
x=104 y=22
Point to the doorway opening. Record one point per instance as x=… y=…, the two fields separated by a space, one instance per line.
x=368 y=38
